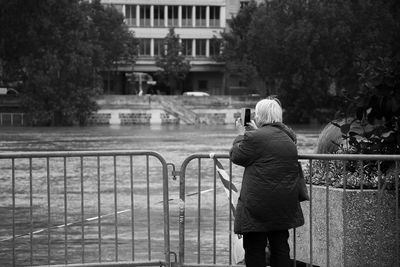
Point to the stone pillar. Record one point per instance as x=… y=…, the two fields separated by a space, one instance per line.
x=166 y=16
x=124 y=10
x=152 y=47
x=180 y=16
x=194 y=48
x=152 y=16
x=138 y=15
x=222 y=17
x=194 y=16
x=207 y=47
x=207 y=16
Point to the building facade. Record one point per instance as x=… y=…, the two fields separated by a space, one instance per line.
x=199 y=24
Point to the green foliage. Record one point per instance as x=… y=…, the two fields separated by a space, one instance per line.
x=325 y=56
x=308 y=51
x=57 y=49
x=235 y=47
x=372 y=128
x=352 y=174
x=112 y=39
x=374 y=109
x=174 y=67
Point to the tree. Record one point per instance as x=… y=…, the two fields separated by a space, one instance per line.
x=235 y=46
x=115 y=45
x=57 y=49
x=174 y=67
x=310 y=51
x=299 y=48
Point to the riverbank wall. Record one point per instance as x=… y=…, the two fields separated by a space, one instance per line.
x=154 y=109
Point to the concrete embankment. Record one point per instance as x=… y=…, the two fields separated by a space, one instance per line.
x=151 y=109
x=157 y=109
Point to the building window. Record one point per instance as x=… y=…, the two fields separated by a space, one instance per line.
x=144 y=15
x=201 y=47
x=203 y=84
x=214 y=16
x=215 y=47
x=144 y=47
x=187 y=47
x=173 y=15
x=158 y=47
x=243 y=4
x=130 y=15
x=186 y=16
x=200 y=16
x=159 y=16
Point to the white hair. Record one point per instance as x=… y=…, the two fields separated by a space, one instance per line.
x=268 y=111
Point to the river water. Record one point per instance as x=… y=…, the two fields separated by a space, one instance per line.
x=174 y=142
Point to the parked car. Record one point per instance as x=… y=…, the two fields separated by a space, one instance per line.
x=8 y=91
x=196 y=94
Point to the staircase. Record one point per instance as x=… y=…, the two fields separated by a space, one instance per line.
x=177 y=109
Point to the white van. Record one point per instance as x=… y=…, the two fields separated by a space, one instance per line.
x=8 y=91
x=196 y=94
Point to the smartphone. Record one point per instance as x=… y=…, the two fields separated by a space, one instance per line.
x=246 y=116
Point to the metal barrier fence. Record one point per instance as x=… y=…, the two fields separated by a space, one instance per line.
x=112 y=208
x=84 y=207
x=200 y=242
x=349 y=227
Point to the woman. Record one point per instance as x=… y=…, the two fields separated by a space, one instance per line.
x=268 y=204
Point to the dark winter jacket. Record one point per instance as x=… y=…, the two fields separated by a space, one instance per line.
x=268 y=198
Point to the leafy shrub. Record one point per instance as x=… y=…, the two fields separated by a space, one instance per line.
x=371 y=125
x=353 y=174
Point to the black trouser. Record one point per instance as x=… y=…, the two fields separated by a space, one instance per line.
x=254 y=245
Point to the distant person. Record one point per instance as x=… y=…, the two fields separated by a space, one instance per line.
x=268 y=205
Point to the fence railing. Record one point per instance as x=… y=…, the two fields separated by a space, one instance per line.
x=13 y=119
x=84 y=207
x=352 y=218
x=344 y=226
x=113 y=207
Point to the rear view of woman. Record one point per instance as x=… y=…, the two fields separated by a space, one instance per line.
x=268 y=205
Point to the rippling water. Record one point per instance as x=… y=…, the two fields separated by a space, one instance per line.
x=175 y=141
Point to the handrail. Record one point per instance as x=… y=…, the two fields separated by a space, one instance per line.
x=79 y=153
x=315 y=157
x=350 y=156
x=176 y=108
x=113 y=264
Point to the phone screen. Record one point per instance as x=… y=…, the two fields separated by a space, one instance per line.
x=246 y=116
